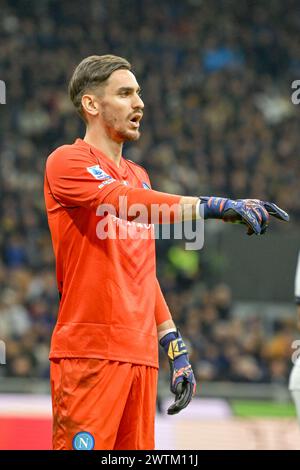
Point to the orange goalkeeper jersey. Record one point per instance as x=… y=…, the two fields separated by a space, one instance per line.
x=110 y=300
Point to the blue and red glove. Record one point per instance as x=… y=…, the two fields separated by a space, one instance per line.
x=182 y=380
x=251 y=212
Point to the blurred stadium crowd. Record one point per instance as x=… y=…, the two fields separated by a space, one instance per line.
x=216 y=79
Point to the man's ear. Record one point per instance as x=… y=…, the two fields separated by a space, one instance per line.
x=90 y=105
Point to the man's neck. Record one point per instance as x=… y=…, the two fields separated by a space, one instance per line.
x=112 y=149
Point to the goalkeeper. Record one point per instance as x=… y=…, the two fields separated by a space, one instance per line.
x=104 y=348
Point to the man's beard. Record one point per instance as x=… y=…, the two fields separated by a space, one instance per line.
x=124 y=136
x=130 y=136
x=116 y=134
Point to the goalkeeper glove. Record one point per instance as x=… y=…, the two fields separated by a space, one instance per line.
x=251 y=212
x=182 y=380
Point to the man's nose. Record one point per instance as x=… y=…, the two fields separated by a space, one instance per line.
x=138 y=102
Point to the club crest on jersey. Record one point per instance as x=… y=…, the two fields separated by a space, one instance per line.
x=146 y=186
x=98 y=173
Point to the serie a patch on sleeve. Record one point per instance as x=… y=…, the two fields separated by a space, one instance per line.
x=98 y=173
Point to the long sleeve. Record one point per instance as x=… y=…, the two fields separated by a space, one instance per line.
x=162 y=312
x=74 y=180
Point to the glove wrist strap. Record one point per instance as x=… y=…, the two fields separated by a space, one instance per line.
x=173 y=345
x=213 y=207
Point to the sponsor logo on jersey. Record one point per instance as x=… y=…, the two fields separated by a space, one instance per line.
x=111 y=180
x=98 y=173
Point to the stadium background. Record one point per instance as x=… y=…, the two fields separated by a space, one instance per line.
x=216 y=79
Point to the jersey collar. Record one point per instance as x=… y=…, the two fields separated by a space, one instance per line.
x=122 y=170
